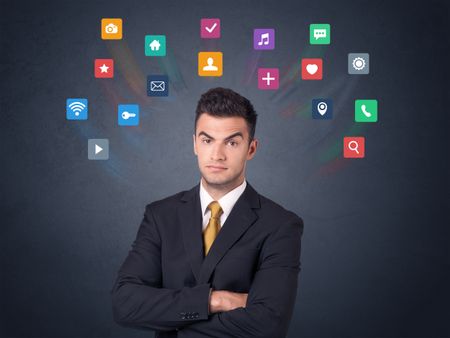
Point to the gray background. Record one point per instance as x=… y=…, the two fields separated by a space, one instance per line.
x=375 y=255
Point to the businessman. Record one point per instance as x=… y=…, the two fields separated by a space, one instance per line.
x=218 y=260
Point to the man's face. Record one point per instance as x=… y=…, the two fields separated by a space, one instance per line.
x=222 y=148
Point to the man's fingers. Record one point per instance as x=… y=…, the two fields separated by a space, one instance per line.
x=245 y=300
x=223 y=300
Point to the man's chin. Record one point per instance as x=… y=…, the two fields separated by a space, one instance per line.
x=217 y=181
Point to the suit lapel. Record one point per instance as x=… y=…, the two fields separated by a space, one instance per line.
x=190 y=218
x=238 y=221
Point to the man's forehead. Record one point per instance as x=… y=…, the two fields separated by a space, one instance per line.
x=221 y=126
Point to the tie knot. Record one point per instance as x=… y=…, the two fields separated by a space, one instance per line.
x=216 y=209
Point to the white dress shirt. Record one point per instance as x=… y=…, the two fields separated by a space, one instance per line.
x=227 y=202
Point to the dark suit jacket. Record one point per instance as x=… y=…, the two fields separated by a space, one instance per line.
x=165 y=281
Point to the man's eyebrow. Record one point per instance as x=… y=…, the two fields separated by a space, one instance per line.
x=227 y=138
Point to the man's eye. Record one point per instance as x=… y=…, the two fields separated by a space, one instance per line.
x=232 y=143
x=206 y=140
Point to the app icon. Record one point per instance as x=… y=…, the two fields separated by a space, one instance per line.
x=77 y=109
x=157 y=85
x=268 y=78
x=128 y=114
x=210 y=64
x=358 y=63
x=155 y=45
x=104 y=68
x=322 y=109
x=366 y=110
x=98 y=149
x=263 y=38
x=354 y=147
x=111 y=29
x=319 y=34
x=210 y=28
x=312 y=69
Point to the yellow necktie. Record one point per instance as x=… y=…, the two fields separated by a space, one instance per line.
x=213 y=227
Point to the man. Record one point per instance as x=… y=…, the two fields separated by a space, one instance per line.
x=219 y=260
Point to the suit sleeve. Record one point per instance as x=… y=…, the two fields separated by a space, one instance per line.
x=271 y=297
x=138 y=300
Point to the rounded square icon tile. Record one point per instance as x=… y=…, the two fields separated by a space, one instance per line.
x=358 y=63
x=210 y=63
x=111 y=29
x=98 y=149
x=319 y=34
x=366 y=110
x=155 y=45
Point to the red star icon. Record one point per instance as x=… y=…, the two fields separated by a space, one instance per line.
x=104 y=68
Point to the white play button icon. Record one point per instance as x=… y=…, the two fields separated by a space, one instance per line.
x=98 y=149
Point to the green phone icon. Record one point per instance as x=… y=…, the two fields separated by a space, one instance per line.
x=366 y=110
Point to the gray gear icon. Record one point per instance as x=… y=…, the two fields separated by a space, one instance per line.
x=358 y=63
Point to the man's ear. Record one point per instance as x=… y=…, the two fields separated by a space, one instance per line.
x=194 y=144
x=252 y=149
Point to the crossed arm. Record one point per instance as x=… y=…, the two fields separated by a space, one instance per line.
x=140 y=301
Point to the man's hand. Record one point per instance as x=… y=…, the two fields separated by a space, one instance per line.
x=222 y=301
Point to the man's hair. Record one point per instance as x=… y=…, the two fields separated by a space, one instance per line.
x=224 y=102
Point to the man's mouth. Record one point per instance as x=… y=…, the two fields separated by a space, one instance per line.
x=215 y=168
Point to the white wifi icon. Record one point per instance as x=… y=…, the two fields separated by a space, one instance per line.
x=75 y=108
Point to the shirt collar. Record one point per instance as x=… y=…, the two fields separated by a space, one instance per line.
x=227 y=201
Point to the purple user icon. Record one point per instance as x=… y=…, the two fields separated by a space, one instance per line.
x=264 y=38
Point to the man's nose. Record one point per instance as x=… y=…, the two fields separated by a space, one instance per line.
x=218 y=153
